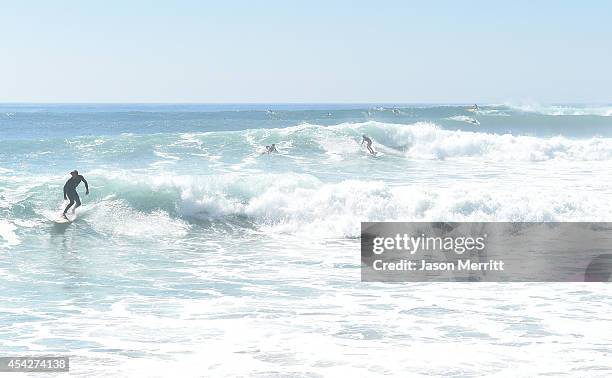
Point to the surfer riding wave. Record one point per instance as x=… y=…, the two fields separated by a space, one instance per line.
x=70 y=192
x=367 y=140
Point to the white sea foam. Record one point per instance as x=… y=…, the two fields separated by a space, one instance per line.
x=429 y=141
x=303 y=205
x=115 y=218
x=8 y=237
x=563 y=110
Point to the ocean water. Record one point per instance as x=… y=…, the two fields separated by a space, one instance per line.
x=197 y=255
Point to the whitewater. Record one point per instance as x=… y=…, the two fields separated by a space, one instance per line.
x=195 y=248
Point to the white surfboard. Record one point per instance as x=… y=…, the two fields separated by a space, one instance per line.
x=63 y=220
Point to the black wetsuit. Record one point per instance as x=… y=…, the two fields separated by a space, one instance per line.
x=70 y=192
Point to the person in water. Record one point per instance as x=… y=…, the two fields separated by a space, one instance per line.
x=369 y=143
x=475 y=107
x=70 y=192
x=272 y=148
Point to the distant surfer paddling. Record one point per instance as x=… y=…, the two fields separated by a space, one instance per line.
x=369 y=144
x=70 y=192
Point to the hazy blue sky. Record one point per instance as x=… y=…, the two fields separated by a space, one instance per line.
x=306 y=51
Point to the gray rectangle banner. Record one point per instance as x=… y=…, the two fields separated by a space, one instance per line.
x=486 y=252
x=32 y=364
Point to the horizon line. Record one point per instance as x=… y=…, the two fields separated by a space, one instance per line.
x=290 y=103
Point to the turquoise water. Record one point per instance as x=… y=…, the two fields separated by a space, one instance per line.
x=197 y=253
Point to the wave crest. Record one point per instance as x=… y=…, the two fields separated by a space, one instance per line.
x=303 y=205
x=429 y=141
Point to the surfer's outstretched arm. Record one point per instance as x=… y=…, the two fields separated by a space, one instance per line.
x=86 y=185
x=65 y=196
